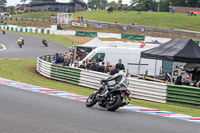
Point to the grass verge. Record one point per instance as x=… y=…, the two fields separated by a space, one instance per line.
x=26 y=68
x=35 y=15
x=56 y=38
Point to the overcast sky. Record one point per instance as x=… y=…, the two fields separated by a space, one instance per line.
x=15 y=2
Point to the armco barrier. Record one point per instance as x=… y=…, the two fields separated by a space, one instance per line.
x=140 y=89
x=183 y=95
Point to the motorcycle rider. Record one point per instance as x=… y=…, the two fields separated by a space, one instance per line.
x=22 y=40
x=120 y=81
x=44 y=42
x=19 y=41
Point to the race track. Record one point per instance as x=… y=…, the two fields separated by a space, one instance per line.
x=32 y=49
x=23 y=111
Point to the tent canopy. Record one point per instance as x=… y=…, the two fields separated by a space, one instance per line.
x=177 y=50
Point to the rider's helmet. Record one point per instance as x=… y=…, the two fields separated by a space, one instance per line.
x=21 y=38
x=122 y=72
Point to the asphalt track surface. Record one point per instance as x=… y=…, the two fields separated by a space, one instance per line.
x=23 y=111
x=32 y=48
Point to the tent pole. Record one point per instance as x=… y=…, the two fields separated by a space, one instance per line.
x=139 y=65
x=172 y=72
x=155 y=69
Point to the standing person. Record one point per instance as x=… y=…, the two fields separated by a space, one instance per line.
x=179 y=79
x=195 y=74
x=83 y=65
x=113 y=70
x=3 y=30
x=22 y=40
x=57 y=59
x=88 y=66
x=107 y=68
x=120 y=66
x=102 y=67
x=76 y=64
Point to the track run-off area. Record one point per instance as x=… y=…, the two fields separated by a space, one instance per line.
x=24 y=111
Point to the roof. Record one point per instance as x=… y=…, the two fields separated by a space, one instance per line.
x=177 y=50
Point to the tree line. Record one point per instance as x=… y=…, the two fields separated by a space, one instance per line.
x=144 y=5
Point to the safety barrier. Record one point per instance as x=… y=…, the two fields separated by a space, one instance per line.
x=183 y=95
x=140 y=89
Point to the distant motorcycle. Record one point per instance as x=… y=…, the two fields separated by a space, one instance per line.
x=4 y=32
x=20 y=45
x=112 y=101
x=45 y=43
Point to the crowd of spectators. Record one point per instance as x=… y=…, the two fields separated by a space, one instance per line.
x=66 y=60
x=95 y=66
x=63 y=59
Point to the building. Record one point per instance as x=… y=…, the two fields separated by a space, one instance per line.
x=42 y=5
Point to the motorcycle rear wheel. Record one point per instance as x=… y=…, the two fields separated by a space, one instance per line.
x=91 y=101
x=116 y=104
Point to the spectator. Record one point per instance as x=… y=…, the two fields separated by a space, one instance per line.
x=107 y=68
x=179 y=79
x=57 y=59
x=187 y=81
x=83 y=65
x=113 y=70
x=82 y=19
x=120 y=66
x=93 y=67
x=102 y=67
x=195 y=74
x=61 y=60
x=195 y=13
x=87 y=61
x=76 y=63
x=98 y=67
x=88 y=66
x=188 y=13
x=66 y=61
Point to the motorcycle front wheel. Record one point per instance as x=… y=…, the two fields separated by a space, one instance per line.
x=115 y=103
x=92 y=100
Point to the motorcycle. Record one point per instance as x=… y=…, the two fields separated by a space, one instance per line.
x=20 y=45
x=112 y=101
x=45 y=43
x=4 y=32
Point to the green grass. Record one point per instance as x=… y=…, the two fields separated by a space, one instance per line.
x=55 y=38
x=1 y=47
x=35 y=15
x=155 y=19
x=24 y=71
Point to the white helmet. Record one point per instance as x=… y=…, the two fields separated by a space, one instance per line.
x=21 y=38
x=122 y=72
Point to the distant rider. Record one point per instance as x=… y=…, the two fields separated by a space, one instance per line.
x=22 y=40
x=19 y=42
x=120 y=81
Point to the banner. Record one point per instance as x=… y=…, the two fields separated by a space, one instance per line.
x=79 y=24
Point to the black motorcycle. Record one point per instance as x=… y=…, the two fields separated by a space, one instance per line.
x=113 y=99
x=4 y=32
x=20 y=45
x=45 y=43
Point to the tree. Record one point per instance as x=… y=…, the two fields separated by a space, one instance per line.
x=3 y=3
x=144 y=5
x=97 y=4
x=10 y=9
x=113 y=4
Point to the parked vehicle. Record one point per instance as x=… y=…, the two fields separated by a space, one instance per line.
x=130 y=58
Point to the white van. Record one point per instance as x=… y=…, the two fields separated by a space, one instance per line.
x=130 y=58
